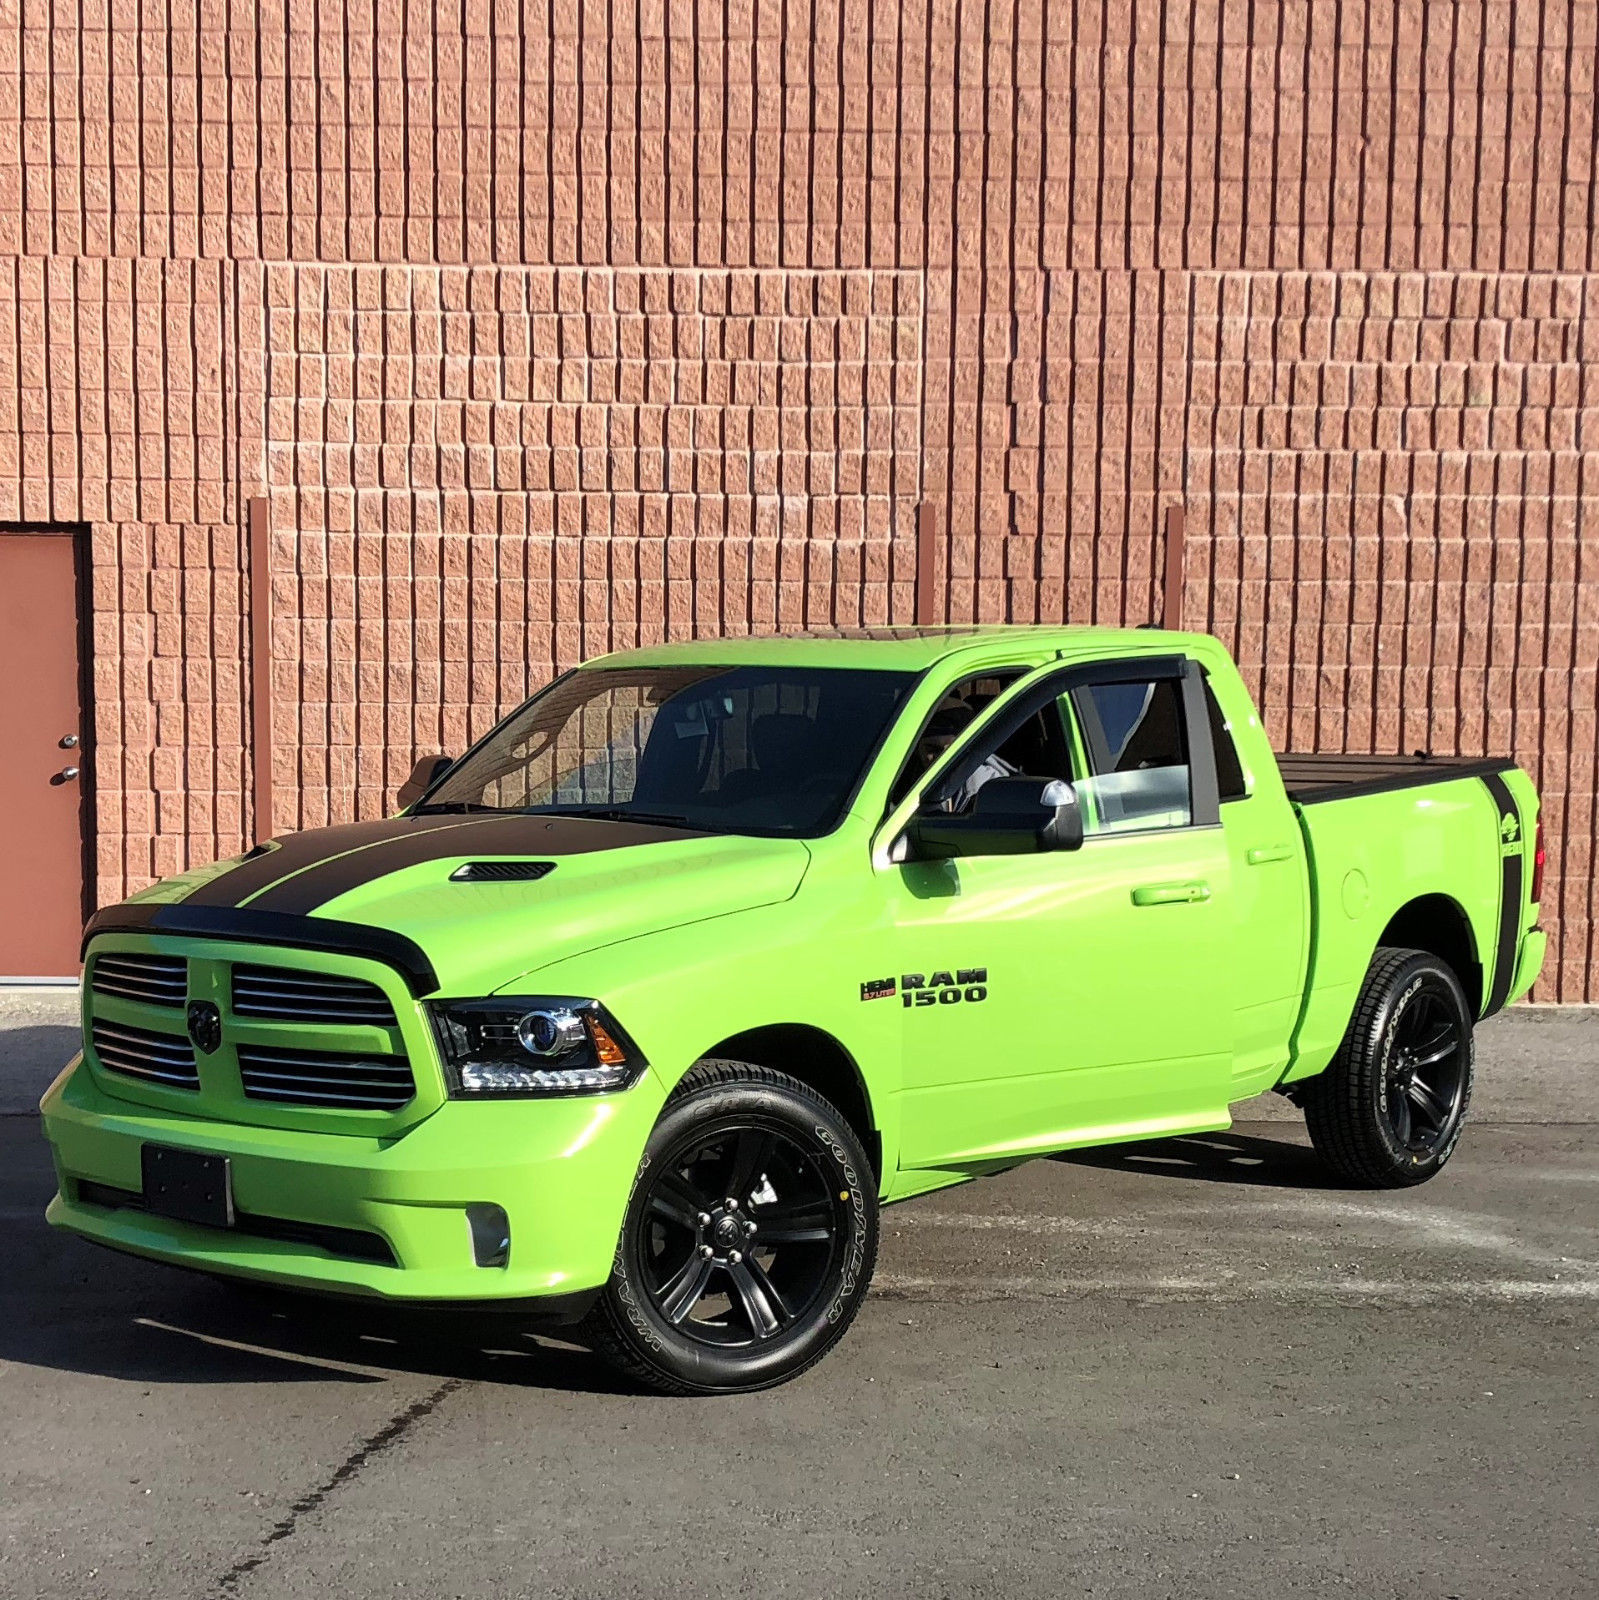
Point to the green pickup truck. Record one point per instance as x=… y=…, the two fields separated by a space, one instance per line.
x=644 y=1006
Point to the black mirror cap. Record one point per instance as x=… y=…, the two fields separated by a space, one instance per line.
x=427 y=772
x=1008 y=817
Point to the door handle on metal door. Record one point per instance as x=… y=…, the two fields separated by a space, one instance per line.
x=1170 y=894
x=1269 y=852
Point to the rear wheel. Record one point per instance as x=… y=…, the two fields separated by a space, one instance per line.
x=1389 y=1110
x=749 y=1239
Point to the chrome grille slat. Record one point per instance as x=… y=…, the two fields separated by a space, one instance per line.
x=138 y=1053
x=316 y=1077
x=155 y=980
x=331 y=1097
x=289 y=1083
x=282 y=994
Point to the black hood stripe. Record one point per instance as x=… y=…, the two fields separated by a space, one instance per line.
x=294 y=852
x=312 y=868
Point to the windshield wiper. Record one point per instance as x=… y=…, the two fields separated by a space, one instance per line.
x=667 y=819
x=458 y=808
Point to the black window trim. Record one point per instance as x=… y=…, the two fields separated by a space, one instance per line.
x=1204 y=803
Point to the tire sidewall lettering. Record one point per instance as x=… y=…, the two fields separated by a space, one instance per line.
x=855 y=1250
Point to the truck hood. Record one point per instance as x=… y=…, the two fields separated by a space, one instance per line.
x=600 y=882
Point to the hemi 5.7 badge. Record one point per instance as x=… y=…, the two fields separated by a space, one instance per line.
x=878 y=989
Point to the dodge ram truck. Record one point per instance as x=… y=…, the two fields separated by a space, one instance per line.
x=640 y=1010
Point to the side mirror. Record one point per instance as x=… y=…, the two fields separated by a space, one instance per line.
x=427 y=771
x=1008 y=817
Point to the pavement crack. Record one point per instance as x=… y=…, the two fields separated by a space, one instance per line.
x=390 y=1434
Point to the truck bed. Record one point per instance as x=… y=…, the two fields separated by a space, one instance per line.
x=1313 y=778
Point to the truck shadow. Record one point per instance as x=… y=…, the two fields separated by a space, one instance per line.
x=31 y=1057
x=1234 y=1158
x=70 y=1306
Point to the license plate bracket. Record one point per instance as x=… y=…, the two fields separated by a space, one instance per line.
x=187 y=1186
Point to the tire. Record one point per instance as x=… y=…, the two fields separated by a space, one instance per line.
x=708 y=1298
x=1388 y=1112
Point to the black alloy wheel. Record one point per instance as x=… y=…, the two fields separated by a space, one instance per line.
x=744 y=1233
x=1389 y=1109
x=749 y=1238
x=1425 y=1076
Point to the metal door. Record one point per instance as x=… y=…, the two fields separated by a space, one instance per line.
x=42 y=757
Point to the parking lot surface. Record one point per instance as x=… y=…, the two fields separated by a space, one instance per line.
x=1189 y=1368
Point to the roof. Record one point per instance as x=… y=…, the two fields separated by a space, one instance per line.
x=904 y=649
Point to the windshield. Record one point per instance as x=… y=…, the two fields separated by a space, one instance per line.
x=765 y=750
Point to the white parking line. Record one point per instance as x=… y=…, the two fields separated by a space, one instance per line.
x=1221 y=1290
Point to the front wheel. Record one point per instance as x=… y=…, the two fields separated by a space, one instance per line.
x=1389 y=1110
x=749 y=1238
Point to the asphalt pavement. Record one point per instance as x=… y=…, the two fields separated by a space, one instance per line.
x=1188 y=1368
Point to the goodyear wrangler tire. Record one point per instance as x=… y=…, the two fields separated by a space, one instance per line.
x=1388 y=1111
x=749 y=1239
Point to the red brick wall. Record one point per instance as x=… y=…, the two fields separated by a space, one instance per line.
x=547 y=327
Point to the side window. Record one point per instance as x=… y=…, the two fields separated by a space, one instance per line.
x=960 y=706
x=1134 y=756
x=1230 y=783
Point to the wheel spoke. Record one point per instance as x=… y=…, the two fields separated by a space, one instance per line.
x=799 y=1222
x=683 y=1292
x=1399 y=1114
x=750 y=1154
x=1433 y=1052
x=1444 y=1033
x=757 y=1296
x=1430 y=1102
x=673 y=1196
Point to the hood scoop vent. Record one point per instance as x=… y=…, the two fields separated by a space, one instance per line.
x=502 y=871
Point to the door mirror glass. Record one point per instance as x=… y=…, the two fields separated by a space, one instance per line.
x=1007 y=817
x=427 y=771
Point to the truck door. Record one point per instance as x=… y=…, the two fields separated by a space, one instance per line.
x=1072 y=996
x=1271 y=893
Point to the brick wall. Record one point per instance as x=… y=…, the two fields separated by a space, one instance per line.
x=547 y=327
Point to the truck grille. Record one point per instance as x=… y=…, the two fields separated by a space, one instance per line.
x=325 y=1078
x=138 y=1053
x=156 y=980
x=285 y=994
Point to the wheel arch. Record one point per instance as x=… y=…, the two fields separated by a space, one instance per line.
x=817 y=1059
x=1438 y=924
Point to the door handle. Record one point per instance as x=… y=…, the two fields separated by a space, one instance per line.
x=1259 y=856
x=1170 y=894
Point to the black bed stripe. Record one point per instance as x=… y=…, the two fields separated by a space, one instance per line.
x=1511 y=865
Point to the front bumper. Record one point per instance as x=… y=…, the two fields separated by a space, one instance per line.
x=562 y=1169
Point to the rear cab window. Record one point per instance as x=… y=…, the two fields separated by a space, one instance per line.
x=1230 y=783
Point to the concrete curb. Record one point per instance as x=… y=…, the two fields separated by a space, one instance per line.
x=1534 y=1063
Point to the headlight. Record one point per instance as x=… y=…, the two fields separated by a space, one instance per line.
x=533 y=1045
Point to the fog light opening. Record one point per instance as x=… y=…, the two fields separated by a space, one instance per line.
x=491 y=1235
